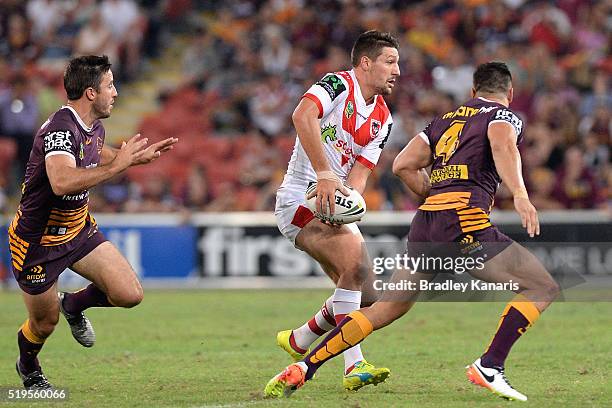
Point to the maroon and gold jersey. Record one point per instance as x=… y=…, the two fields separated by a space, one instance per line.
x=44 y=218
x=463 y=175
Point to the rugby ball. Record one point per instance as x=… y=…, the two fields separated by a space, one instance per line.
x=348 y=209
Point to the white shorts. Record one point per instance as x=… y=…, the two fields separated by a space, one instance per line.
x=291 y=211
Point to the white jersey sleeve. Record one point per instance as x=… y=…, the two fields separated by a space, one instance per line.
x=371 y=153
x=328 y=93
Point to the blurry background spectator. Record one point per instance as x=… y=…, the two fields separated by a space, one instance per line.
x=19 y=118
x=225 y=76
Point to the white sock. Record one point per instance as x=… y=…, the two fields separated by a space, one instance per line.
x=317 y=326
x=346 y=301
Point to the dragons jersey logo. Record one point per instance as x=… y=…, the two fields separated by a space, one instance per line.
x=375 y=126
x=328 y=133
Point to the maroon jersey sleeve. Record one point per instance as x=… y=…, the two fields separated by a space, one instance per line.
x=427 y=135
x=505 y=115
x=60 y=137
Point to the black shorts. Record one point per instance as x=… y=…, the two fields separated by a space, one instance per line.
x=41 y=266
x=457 y=232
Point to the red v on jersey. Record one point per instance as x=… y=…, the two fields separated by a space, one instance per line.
x=372 y=126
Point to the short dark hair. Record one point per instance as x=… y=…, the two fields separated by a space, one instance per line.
x=84 y=72
x=371 y=44
x=492 y=77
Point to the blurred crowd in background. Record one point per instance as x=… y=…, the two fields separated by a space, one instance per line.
x=246 y=64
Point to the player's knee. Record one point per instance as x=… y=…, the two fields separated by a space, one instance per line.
x=44 y=327
x=350 y=281
x=399 y=309
x=351 y=273
x=382 y=314
x=134 y=298
x=552 y=289
x=128 y=299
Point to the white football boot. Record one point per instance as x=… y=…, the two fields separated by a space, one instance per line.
x=493 y=379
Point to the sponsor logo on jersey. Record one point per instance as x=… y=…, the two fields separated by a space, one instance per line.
x=346 y=151
x=333 y=85
x=468 y=245
x=328 y=133
x=56 y=230
x=452 y=171
x=81 y=152
x=375 y=126
x=36 y=274
x=349 y=110
x=510 y=117
x=58 y=140
x=467 y=111
x=468 y=239
x=100 y=144
x=76 y=197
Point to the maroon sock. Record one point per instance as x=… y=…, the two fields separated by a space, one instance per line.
x=513 y=325
x=90 y=296
x=28 y=352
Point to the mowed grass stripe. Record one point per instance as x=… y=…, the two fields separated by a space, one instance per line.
x=217 y=348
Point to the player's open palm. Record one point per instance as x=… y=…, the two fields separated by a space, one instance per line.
x=156 y=149
x=131 y=152
x=529 y=215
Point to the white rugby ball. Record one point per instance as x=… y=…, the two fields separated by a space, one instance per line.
x=348 y=209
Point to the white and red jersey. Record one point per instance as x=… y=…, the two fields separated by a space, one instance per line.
x=350 y=130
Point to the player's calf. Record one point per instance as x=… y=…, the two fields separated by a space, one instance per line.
x=31 y=338
x=518 y=265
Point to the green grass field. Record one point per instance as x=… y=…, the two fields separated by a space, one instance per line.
x=217 y=348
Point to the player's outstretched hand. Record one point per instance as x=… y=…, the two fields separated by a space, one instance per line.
x=130 y=152
x=529 y=215
x=156 y=149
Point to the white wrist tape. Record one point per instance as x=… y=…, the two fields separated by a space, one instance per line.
x=327 y=175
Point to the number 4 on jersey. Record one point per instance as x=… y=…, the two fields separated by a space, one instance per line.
x=449 y=141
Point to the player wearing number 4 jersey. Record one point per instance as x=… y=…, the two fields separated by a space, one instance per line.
x=471 y=149
x=53 y=229
x=342 y=123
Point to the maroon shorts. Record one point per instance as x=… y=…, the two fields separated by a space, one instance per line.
x=41 y=266
x=461 y=232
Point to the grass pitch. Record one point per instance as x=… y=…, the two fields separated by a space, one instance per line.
x=218 y=348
